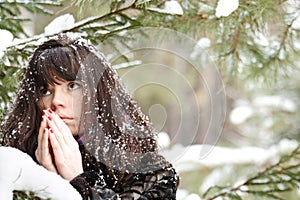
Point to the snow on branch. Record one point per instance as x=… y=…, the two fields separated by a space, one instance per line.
x=171 y=7
x=269 y=183
x=226 y=7
x=19 y=172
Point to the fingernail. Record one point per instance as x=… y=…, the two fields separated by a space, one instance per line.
x=50 y=111
x=50 y=117
x=42 y=118
x=43 y=112
x=51 y=131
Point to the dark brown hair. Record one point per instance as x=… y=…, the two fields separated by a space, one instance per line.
x=115 y=130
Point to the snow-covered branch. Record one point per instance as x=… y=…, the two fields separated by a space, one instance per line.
x=19 y=172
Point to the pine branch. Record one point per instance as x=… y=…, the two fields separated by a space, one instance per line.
x=284 y=176
x=84 y=23
x=79 y=26
x=18 y=54
x=235 y=37
x=232 y=37
x=12 y=8
x=22 y=195
x=32 y=6
x=286 y=33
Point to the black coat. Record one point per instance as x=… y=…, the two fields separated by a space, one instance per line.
x=98 y=183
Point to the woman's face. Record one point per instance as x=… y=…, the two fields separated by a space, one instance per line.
x=65 y=99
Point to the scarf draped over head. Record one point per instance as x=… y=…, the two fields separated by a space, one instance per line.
x=113 y=127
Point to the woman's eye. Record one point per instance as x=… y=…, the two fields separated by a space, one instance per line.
x=45 y=91
x=74 y=85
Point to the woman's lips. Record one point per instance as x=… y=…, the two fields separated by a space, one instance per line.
x=66 y=118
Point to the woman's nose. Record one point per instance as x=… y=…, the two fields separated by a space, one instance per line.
x=59 y=100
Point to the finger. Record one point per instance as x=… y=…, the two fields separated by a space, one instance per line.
x=61 y=130
x=40 y=136
x=68 y=162
x=42 y=128
x=45 y=153
x=56 y=148
x=59 y=133
x=62 y=126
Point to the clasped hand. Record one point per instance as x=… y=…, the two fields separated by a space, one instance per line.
x=57 y=149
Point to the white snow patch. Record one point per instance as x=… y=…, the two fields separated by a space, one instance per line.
x=5 y=40
x=214 y=177
x=63 y=22
x=127 y=64
x=200 y=47
x=19 y=172
x=204 y=43
x=190 y=158
x=182 y=194
x=226 y=7
x=296 y=23
x=276 y=101
x=193 y=196
x=240 y=114
x=261 y=39
x=163 y=140
x=171 y=7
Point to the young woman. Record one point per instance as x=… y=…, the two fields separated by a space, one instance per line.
x=73 y=116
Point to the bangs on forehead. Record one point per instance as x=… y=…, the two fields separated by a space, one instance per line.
x=57 y=64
